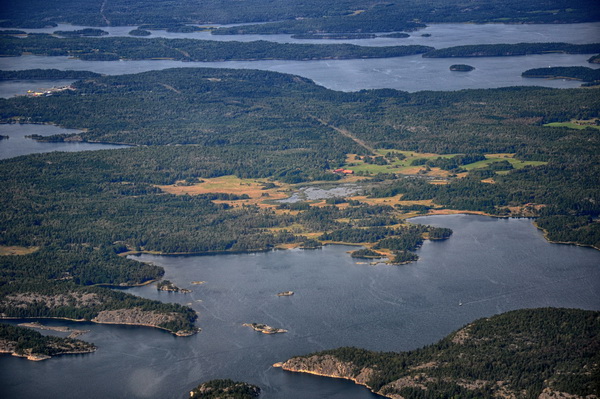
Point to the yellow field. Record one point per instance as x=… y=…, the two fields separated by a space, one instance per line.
x=254 y=188
x=4 y=250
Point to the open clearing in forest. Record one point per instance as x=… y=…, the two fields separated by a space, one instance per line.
x=254 y=188
x=578 y=124
x=14 y=250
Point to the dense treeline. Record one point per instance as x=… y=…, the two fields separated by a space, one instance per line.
x=579 y=73
x=82 y=265
x=453 y=163
x=503 y=50
x=12 y=32
x=345 y=15
x=46 y=74
x=377 y=20
x=522 y=352
x=89 y=48
x=29 y=342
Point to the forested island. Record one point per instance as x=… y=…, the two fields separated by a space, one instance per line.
x=87 y=32
x=225 y=389
x=334 y=36
x=140 y=32
x=525 y=353
x=132 y=48
x=578 y=73
x=461 y=68
x=46 y=74
x=509 y=50
x=23 y=342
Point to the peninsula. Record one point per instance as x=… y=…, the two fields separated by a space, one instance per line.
x=541 y=352
x=24 y=342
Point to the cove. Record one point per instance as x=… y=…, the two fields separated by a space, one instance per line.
x=490 y=265
x=17 y=144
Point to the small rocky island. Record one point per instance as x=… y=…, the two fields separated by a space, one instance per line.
x=286 y=293
x=225 y=389
x=168 y=286
x=366 y=254
x=265 y=329
x=461 y=68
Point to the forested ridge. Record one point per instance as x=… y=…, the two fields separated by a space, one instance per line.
x=520 y=353
x=131 y=48
x=296 y=16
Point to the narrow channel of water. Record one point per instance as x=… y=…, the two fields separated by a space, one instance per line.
x=411 y=73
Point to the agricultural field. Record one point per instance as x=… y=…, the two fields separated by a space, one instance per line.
x=405 y=164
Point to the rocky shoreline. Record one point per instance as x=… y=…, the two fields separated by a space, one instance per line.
x=456 y=366
x=129 y=317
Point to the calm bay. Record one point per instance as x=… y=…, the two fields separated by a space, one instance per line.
x=489 y=265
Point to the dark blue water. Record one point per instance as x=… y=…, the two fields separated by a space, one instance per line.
x=490 y=265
